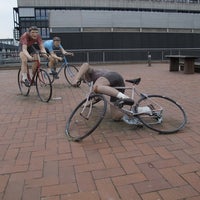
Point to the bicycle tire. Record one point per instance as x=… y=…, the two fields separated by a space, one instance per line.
x=43 y=85
x=23 y=89
x=70 y=71
x=166 y=115
x=78 y=125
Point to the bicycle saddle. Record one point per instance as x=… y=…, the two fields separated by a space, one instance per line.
x=134 y=81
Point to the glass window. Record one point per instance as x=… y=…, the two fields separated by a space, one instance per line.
x=43 y=14
x=37 y=14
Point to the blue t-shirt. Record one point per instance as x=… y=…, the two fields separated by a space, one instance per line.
x=49 y=45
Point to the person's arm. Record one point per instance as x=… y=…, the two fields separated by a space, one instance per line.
x=67 y=53
x=43 y=51
x=82 y=74
x=53 y=55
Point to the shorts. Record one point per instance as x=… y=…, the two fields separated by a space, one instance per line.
x=116 y=80
x=31 y=49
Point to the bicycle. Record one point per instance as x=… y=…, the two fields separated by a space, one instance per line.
x=40 y=79
x=158 y=113
x=69 y=70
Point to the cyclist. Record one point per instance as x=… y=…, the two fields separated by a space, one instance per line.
x=104 y=83
x=51 y=46
x=29 y=43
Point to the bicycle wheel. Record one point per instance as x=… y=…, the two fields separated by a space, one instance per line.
x=86 y=117
x=23 y=89
x=70 y=71
x=164 y=114
x=43 y=85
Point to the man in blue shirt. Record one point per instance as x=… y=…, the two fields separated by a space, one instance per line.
x=51 y=46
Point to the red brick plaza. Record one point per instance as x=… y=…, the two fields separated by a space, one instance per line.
x=117 y=161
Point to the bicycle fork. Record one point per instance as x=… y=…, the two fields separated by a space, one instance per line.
x=87 y=103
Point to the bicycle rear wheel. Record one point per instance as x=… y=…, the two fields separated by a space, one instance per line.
x=43 y=85
x=86 y=117
x=164 y=115
x=23 y=89
x=70 y=71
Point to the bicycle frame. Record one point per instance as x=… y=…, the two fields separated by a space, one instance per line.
x=40 y=79
x=131 y=110
x=69 y=70
x=65 y=63
x=158 y=113
x=36 y=71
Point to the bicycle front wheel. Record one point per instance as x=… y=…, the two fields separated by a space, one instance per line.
x=86 y=117
x=23 y=89
x=70 y=71
x=164 y=115
x=43 y=85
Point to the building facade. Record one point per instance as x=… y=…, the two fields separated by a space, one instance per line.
x=113 y=24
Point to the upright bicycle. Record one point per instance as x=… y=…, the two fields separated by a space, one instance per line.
x=69 y=70
x=159 y=113
x=40 y=79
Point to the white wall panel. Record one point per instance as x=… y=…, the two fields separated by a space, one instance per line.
x=128 y=19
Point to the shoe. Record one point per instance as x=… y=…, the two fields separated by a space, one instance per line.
x=121 y=102
x=53 y=73
x=56 y=76
x=26 y=83
x=145 y=110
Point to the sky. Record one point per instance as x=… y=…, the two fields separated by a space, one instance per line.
x=6 y=18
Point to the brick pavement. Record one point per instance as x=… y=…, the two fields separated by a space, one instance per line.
x=116 y=162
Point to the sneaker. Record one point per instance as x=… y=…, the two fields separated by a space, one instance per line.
x=26 y=83
x=53 y=72
x=56 y=76
x=121 y=102
x=145 y=110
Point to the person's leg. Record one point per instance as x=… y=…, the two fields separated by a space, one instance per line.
x=24 y=61
x=102 y=85
x=34 y=66
x=51 y=63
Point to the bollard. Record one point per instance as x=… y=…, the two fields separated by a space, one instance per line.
x=149 y=59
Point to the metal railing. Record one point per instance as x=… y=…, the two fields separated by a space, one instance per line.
x=112 y=55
